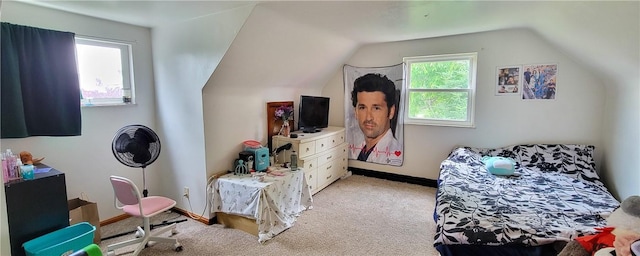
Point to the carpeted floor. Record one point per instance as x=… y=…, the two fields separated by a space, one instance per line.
x=354 y=216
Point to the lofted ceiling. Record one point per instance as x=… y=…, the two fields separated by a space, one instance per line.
x=145 y=13
x=603 y=35
x=362 y=21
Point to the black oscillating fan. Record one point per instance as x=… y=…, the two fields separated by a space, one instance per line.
x=136 y=146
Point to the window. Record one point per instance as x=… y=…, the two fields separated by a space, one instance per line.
x=440 y=90
x=104 y=70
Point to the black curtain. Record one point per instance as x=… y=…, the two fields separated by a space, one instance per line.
x=40 y=93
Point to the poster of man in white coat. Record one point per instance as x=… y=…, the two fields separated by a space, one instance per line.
x=373 y=114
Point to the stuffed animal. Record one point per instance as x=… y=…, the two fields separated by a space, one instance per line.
x=626 y=223
x=27 y=158
x=621 y=237
x=497 y=165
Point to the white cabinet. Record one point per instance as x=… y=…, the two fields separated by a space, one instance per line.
x=323 y=155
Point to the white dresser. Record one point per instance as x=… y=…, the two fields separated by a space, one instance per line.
x=323 y=155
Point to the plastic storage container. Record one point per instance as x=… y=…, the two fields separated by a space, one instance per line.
x=62 y=241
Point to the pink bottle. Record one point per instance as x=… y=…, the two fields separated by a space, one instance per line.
x=5 y=169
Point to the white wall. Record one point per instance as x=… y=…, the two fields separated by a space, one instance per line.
x=185 y=56
x=622 y=135
x=87 y=160
x=574 y=117
x=621 y=131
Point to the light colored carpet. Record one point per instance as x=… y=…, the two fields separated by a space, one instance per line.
x=355 y=216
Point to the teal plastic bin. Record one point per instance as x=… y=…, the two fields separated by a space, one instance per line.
x=62 y=241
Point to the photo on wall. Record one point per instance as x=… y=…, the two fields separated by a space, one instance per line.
x=374 y=126
x=539 y=81
x=508 y=80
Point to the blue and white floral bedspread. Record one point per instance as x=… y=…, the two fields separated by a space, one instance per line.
x=557 y=197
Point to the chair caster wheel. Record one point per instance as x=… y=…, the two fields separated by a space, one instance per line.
x=138 y=234
x=177 y=247
x=174 y=231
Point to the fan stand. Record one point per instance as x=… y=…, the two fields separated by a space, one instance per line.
x=145 y=192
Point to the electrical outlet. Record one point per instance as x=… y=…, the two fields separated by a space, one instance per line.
x=186 y=192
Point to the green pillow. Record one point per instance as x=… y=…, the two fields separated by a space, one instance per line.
x=498 y=165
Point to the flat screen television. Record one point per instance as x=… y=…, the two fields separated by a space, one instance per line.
x=313 y=113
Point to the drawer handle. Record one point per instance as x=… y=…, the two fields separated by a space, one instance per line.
x=307 y=149
x=322 y=145
x=310 y=166
x=329 y=157
x=329 y=177
x=329 y=167
x=333 y=141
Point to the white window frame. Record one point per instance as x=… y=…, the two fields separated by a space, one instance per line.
x=126 y=57
x=471 y=90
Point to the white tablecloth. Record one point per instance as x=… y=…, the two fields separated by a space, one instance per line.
x=274 y=203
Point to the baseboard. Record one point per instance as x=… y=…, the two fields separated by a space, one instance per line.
x=394 y=177
x=175 y=209
x=114 y=219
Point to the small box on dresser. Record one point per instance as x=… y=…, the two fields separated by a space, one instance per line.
x=322 y=155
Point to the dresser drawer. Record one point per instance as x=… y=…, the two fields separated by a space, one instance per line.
x=335 y=154
x=312 y=178
x=336 y=139
x=306 y=149
x=327 y=173
x=309 y=164
x=323 y=144
x=326 y=157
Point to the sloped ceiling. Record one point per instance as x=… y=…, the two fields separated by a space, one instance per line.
x=603 y=35
x=145 y=13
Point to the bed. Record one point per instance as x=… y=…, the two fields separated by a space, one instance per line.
x=555 y=197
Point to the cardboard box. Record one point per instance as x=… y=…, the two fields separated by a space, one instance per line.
x=81 y=210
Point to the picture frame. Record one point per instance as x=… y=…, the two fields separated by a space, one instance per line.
x=539 y=81
x=508 y=80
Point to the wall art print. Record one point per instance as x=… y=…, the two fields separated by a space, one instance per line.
x=374 y=136
x=539 y=81
x=508 y=80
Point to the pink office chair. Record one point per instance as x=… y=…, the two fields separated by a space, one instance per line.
x=127 y=198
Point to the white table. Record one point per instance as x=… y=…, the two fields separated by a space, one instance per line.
x=274 y=203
